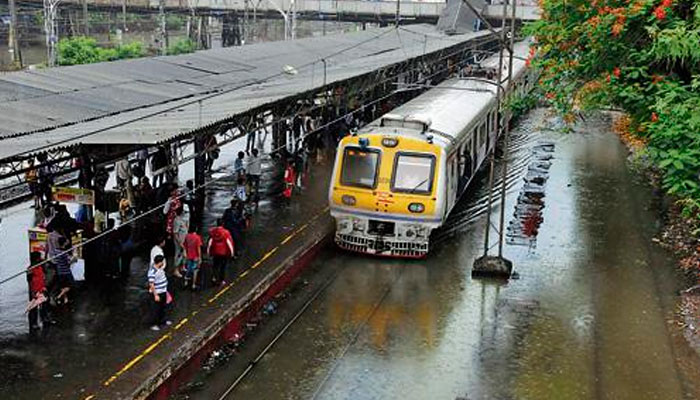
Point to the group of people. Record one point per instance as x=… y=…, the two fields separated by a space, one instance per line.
x=50 y=278
x=225 y=240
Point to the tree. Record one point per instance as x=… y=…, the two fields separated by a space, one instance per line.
x=641 y=56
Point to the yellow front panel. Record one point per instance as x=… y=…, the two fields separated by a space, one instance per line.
x=382 y=199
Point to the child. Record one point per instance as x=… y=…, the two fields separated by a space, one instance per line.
x=64 y=274
x=193 y=253
x=241 y=193
x=238 y=165
x=289 y=180
x=158 y=287
x=37 y=293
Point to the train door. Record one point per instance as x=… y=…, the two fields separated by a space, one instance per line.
x=466 y=164
x=453 y=181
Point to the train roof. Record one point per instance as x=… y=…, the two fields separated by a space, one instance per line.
x=446 y=110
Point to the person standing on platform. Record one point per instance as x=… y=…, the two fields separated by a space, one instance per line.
x=159 y=161
x=123 y=169
x=32 y=178
x=221 y=249
x=171 y=206
x=289 y=180
x=37 y=309
x=193 y=252
x=156 y=250
x=64 y=274
x=180 y=229
x=158 y=287
x=142 y=159
x=238 y=166
x=254 y=167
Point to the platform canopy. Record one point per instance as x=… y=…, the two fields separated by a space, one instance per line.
x=155 y=100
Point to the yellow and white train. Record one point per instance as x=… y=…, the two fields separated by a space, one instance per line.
x=399 y=177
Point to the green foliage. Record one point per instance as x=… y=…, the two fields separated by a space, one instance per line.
x=519 y=105
x=78 y=50
x=84 y=50
x=641 y=56
x=174 y=22
x=182 y=46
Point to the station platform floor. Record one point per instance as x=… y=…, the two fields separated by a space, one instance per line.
x=102 y=348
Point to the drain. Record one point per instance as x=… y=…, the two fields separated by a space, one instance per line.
x=523 y=228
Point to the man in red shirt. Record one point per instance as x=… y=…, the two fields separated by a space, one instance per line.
x=221 y=249
x=193 y=253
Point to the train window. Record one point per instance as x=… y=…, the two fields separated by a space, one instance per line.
x=360 y=167
x=413 y=173
x=482 y=134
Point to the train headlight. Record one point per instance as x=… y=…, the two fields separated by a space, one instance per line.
x=416 y=208
x=348 y=200
x=390 y=142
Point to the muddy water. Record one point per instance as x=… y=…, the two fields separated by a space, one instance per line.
x=587 y=317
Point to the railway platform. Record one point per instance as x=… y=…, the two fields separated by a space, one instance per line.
x=103 y=348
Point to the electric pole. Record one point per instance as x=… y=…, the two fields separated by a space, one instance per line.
x=161 y=29
x=398 y=12
x=13 y=42
x=86 y=18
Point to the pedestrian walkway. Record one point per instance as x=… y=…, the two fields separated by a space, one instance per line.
x=103 y=348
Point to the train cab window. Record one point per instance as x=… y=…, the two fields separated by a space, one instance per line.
x=360 y=167
x=413 y=173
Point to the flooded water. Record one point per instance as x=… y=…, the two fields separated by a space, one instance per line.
x=586 y=319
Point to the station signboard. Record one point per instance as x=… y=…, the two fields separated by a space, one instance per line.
x=73 y=195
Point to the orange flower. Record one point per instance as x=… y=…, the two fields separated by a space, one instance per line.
x=637 y=7
x=549 y=95
x=617 y=29
x=654 y=117
x=667 y=3
x=616 y=72
x=656 y=78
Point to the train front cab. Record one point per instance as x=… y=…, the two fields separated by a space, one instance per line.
x=385 y=194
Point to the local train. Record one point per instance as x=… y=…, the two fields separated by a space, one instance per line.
x=398 y=178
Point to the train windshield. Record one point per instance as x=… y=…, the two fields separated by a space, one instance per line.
x=413 y=173
x=360 y=167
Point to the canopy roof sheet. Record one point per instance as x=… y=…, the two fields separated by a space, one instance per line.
x=152 y=100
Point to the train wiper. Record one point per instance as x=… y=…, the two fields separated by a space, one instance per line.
x=418 y=185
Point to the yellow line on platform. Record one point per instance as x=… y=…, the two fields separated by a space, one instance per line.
x=179 y=325
x=288 y=238
x=137 y=359
x=90 y=397
x=222 y=291
x=244 y=273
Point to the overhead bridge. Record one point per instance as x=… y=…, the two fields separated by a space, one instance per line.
x=338 y=10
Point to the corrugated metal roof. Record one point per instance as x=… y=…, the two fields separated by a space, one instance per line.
x=149 y=86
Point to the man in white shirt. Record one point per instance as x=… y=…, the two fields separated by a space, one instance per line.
x=123 y=169
x=157 y=250
x=254 y=168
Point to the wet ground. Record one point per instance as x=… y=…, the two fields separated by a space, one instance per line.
x=590 y=317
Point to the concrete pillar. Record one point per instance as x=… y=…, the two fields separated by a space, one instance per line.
x=200 y=165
